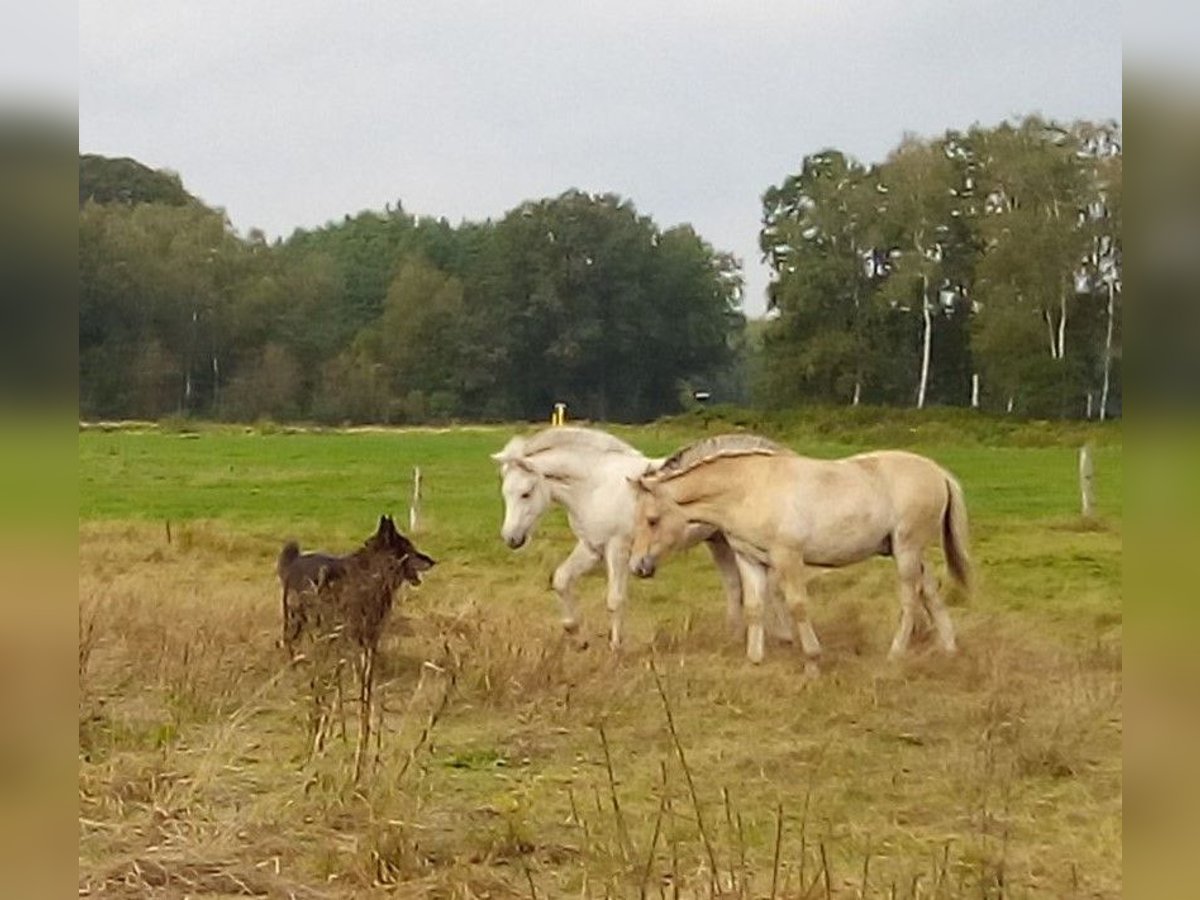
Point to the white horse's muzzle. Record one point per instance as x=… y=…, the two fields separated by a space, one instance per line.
x=644 y=567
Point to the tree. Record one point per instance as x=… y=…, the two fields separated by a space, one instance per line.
x=832 y=338
x=1032 y=190
x=921 y=223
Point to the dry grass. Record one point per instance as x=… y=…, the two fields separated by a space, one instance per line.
x=509 y=763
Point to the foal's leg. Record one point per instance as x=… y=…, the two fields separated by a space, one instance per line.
x=616 y=558
x=931 y=597
x=727 y=566
x=581 y=560
x=909 y=568
x=792 y=577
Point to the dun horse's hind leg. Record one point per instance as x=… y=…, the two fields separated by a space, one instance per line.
x=909 y=568
x=581 y=560
x=616 y=557
x=932 y=599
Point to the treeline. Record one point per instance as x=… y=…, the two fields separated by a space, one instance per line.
x=387 y=317
x=980 y=268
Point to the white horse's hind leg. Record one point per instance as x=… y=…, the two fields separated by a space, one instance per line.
x=754 y=587
x=780 y=621
x=792 y=577
x=932 y=599
x=616 y=557
x=726 y=561
x=908 y=565
x=582 y=559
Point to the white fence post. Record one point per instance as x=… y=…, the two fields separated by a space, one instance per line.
x=414 y=508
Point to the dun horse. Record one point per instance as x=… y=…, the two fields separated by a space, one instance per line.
x=785 y=514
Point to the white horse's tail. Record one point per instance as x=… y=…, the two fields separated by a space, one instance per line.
x=956 y=537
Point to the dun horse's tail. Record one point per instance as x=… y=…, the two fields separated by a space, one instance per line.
x=288 y=555
x=956 y=537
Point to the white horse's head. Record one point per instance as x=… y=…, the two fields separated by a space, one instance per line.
x=526 y=495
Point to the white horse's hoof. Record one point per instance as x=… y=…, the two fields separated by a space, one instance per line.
x=812 y=670
x=570 y=626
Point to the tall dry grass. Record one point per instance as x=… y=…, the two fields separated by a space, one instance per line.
x=509 y=763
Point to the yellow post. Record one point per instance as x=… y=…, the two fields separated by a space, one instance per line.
x=559 y=416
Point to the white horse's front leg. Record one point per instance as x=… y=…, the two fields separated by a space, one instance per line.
x=616 y=557
x=582 y=559
x=727 y=567
x=754 y=588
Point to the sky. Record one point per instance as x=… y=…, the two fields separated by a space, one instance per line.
x=294 y=114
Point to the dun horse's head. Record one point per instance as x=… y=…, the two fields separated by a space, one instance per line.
x=659 y=526
x=526 y=494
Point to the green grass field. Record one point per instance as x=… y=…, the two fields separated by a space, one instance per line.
x=997 y=772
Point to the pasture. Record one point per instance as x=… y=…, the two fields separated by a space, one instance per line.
x=510 y=763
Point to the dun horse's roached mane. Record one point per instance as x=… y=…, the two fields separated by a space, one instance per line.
x=718 y=446
x=573 y=437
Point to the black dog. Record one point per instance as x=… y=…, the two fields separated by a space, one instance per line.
x=309 y=571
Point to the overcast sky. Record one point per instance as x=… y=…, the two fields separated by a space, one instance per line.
x=292 y=114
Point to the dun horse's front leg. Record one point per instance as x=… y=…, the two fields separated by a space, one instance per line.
x=616 y=558
x=582 y=559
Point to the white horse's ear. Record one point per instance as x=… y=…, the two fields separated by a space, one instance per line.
x=499 y=458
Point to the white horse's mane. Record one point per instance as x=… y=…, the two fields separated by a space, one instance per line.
x=567 y=437
x=719 y=446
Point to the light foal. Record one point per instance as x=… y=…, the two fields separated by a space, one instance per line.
x=785 y=514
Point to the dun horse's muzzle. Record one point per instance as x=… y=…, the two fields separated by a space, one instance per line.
x=644 y=567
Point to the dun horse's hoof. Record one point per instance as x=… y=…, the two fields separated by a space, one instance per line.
x=570 y=627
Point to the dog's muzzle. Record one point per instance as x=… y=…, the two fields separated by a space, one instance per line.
x=644 y=567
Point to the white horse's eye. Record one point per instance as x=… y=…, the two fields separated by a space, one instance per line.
x=652 y=521
x=527 y=494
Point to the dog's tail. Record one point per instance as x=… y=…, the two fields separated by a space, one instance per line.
x=288 y=555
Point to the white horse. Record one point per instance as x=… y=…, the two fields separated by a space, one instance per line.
x=592 y=474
